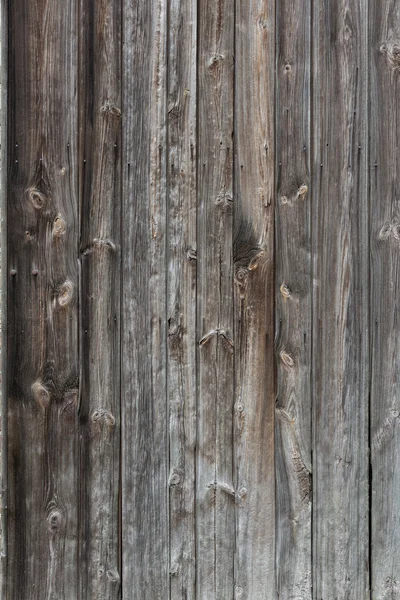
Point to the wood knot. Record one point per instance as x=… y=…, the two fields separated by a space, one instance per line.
x=286 y=359
x=392 y=52
x=54 y=521
x=226 y=339
x=214 y=61
x=191 y=255
x=241 y=280
x=284 y=290
x=41 y=394
x=224 y=201
x=175 y=478
x=65 y=293
x=109 y=109
x=101 y=415
x=37 y=198
x=59 y=227
x=256 y=260
x=175 y=334
x=112 y=575
x=302 y=191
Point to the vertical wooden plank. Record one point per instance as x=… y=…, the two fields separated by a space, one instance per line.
x=181 y=293
x=340 y=306
x=42 y=301
x=214 y=486
x=293 y=301
x=100 y=206
x=254 y=299
x=3 y=296
x=145 y=543
x=384 y=235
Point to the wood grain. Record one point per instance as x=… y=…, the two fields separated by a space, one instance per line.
x=3 y=295
x=384 y=171
x=253 y=248
x=100 y=256
x=181 y=294
x=293 y=290
x=215 y=494
x=43 y=370
x=340 y=304
x=145 y=541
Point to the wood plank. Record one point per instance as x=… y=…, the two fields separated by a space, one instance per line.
x=293 y=289
x=215 y=506
x=3 y=295
x=42 y=302
x=100 y=255
x=384 y=170
x=254 y=193
x=145 y=543
x=340 y=304
x=181 y=294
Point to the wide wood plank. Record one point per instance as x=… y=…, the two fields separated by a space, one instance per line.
x=253 y=247
x=384 y=170
x=340 y=305
x=293 y=301
x=181 y=299
x=215 y=494
x=145 y=462
x=43 y=382
x=100 y=256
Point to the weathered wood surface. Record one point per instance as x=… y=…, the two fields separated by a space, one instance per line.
x=100 y=256
x=43 y=366
x=145 y=460
x=199 y=296
x=293 y=292
x=253 y=248
x=340 y=360
x=181 y=294
x=384 y=232
x=215 y=493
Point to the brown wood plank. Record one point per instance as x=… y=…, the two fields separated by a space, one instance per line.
x=384 y=170
x=145 y=541
x=254 y=300
x=293 y=289
x=215 y=506
x=42 y=301
x=100 y=255
x=340 y=305
x=181 y=294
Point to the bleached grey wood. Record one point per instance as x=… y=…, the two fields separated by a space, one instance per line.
x=215 y=494
x=181 y=294
x=253 y=248
x=340 y=366
x=293 y=292
x=145 y=462
x=100 y=259
x=384 y=232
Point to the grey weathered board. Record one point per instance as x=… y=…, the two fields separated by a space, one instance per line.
x=199 y=231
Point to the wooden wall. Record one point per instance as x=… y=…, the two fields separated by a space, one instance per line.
x=200 y=245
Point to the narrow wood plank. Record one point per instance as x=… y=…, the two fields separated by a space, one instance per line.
x=340 y=306
x=181 y=294
x=254 y=300
x=293 y=301
x=215 y=494
x=42 y=302
x=384 y=169
x=145 y=543
x=100 y=252
x=3 y=295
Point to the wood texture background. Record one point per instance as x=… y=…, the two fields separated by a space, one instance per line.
x=200 y=234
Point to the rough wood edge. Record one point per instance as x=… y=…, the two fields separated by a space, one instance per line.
x=3 y=291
